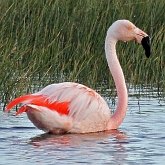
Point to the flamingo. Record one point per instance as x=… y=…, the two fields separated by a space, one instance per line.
x=70 y=107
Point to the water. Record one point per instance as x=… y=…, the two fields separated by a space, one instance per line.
x=139 y=140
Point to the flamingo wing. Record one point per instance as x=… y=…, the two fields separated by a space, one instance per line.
x=69 y=102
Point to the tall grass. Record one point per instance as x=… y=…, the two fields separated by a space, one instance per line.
x=47 y=41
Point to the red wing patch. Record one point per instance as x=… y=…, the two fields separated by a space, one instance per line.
x=39 y=100
x=22 y=99
x=21 y=110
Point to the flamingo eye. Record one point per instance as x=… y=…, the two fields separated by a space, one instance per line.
x=131 y=27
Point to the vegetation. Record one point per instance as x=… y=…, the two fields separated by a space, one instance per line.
x=47 y=41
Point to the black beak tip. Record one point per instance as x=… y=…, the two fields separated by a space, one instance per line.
x=146 y=45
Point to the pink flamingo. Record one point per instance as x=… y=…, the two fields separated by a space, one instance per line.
x=74 y=108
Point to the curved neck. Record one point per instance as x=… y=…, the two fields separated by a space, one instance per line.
x=118 y=76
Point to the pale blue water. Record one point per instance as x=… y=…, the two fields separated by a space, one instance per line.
x=140 y=140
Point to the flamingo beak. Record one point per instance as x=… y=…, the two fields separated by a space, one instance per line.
x=146 y=45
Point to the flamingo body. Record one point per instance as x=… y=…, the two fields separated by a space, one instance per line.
x=65 y=107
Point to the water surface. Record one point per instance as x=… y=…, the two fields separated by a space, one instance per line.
x=139 y=140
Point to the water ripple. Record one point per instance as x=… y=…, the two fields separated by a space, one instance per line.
x=140 y=140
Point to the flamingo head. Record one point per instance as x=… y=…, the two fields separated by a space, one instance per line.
x=125 y=30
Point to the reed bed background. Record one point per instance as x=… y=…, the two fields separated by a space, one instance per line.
x=47 y=41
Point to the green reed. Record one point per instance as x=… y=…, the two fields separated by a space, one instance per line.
x=47 y=41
